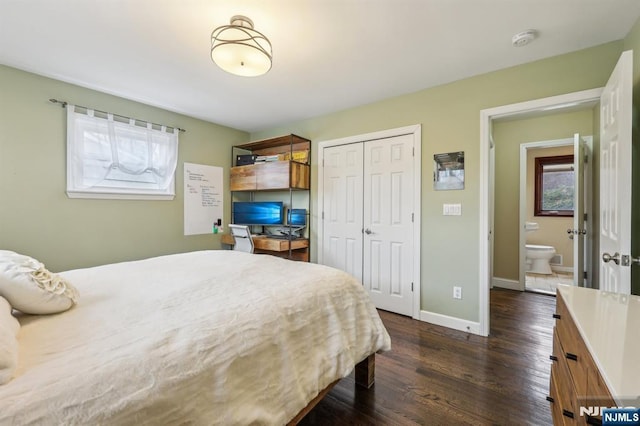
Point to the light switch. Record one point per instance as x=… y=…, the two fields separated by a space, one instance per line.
x=452 y=209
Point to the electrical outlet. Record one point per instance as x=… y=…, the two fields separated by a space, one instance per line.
x=457 y=292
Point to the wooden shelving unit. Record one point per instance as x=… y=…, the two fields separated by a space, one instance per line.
x=291 y=172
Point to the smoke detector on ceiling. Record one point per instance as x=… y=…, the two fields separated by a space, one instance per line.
x=524 y=38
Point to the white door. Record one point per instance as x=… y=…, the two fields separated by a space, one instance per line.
x=388 y=223
x=615 y=178
x=579 y=228
x=342 y=208
x=367 y=205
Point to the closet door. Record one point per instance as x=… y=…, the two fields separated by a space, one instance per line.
x=342 y=208
x=388 y=223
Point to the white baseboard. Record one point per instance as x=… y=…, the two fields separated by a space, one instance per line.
x=450 y=322
x=561 y=268
x=505 y=283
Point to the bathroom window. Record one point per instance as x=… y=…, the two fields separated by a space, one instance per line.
x=555 y=188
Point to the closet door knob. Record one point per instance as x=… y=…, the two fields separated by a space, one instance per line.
x=606 y=258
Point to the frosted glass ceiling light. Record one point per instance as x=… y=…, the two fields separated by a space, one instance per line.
x=239 y=49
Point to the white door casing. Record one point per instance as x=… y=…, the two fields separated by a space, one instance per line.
x=588 y=98
x=342 y=208
x=579 y=227
x=615 y=178
x=388 y=223
x=580 y=185
x=413 y=133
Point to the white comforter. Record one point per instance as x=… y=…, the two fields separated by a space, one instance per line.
x=213 y=337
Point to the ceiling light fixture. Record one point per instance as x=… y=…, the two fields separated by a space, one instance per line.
x=524 y=38
x=239 y=49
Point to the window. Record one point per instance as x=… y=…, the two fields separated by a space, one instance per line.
x=107 y=158
x=554 y=190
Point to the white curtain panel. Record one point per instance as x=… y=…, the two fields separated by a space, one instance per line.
x=104 y=152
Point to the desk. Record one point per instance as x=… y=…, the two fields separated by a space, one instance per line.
x=276 y=246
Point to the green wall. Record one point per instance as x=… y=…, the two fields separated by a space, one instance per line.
x=450 y=118
x=507 y=138
x=632 y=41
x=36 y=216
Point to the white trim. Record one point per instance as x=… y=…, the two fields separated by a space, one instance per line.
x=450 y=322
x=556 y=103
x=506 y=283
x=416 y=132
x=523 y=198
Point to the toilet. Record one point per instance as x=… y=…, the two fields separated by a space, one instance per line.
x=537 y=257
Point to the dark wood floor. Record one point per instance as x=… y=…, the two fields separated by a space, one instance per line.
x=438 y=376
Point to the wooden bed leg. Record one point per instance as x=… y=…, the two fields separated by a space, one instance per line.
x=365 y=371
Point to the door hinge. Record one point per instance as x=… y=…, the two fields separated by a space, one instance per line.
x=585 y=217
x=323 y=162
x=584 y=275
x=413 y=151
x=411 y=286
x=322 y=215
x=586 y=158
x=411 y=217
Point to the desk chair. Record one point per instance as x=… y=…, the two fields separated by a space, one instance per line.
x=242 y=238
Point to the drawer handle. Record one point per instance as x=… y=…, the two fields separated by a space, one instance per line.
x=557 y=316
x=572 y=357
x=550 y=399
x=567 y=413
x=553 y=358
x=594 y=421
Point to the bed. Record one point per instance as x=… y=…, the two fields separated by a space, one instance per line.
x=208 y=337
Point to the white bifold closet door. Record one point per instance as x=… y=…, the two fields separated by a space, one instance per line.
x=368 y=217
x=342 y=230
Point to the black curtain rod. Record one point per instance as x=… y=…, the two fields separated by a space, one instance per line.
x=64 y=104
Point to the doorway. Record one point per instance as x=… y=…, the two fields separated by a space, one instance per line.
x=369 y=202
x=570 y=236
x=583 y=99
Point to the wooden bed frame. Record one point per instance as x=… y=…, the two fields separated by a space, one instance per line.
x=365 y=376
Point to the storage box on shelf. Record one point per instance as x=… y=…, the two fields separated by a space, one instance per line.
x=270 y=176
x=279 y=165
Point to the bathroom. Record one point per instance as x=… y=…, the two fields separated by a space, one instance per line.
x=549 y=248
x=515 y=142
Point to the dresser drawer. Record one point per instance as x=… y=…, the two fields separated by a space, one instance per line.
x=554 y=400
x=565 y=401
x=574 y=350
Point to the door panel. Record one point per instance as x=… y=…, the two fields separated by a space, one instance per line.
x=615 y=176
x=388 y=208
x=342 y=207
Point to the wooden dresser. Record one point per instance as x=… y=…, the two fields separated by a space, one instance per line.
x=596 y=355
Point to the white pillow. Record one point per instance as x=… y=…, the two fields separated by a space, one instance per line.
x=9 y=327
x=30 y=288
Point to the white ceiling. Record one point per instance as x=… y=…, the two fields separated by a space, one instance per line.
x=329 y=55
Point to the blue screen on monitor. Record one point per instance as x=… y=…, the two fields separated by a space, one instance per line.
x=257 y=212
x=297 y=217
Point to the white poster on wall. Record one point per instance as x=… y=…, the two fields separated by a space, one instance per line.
x=202 y=199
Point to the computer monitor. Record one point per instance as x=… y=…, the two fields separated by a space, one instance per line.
x=258 y=213
x=297 y=217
